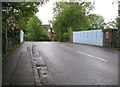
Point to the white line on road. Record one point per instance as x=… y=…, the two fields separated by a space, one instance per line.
x=93 y=56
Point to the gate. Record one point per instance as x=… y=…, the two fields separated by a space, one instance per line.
x=110 y=37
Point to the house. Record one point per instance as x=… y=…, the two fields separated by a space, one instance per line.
x=49 y=30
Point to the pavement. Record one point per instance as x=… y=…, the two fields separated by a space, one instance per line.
x=61 y=64
x=17 y=68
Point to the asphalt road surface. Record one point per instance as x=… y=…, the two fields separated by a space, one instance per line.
x=77 y=64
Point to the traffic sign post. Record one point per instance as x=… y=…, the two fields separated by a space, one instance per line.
x=12 y=24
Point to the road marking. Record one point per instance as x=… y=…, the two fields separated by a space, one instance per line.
x=93 y=56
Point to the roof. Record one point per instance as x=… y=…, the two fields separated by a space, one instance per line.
x=46 y=26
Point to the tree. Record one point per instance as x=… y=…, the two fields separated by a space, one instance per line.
x=35 y=30
x=112 y=24
x=20 y=11
x=96 y=21
x=70 y=15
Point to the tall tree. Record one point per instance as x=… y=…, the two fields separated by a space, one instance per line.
x=96 y=21
x=70 y=15
x=112 y=24
x=20 y=11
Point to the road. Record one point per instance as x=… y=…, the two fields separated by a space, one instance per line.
x=77 y=64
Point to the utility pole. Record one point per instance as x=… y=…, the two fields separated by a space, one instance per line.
x=118 y=41
x=5 y=46
x=119 y=15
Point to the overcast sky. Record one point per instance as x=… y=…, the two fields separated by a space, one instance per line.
x=102 y=7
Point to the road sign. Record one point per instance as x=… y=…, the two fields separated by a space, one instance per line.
x=11 y=23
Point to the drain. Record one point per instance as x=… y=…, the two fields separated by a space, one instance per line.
x=42 y=71
x=34 y=59
x=43 y=74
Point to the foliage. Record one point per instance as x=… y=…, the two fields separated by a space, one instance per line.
x=114 y=24
x=20 y=11
x=96 y=21
x=111 y=24
x=67 y=35
x=35 y=30
x=70 y=15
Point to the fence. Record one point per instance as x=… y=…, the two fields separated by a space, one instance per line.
x=92 y=37
x=12 y=39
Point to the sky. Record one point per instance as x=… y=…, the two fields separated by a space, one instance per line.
x=102 y=7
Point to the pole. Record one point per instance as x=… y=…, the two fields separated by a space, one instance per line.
x=118 y=41
x=5 y=47
x=6 y=39
x=118 y=14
